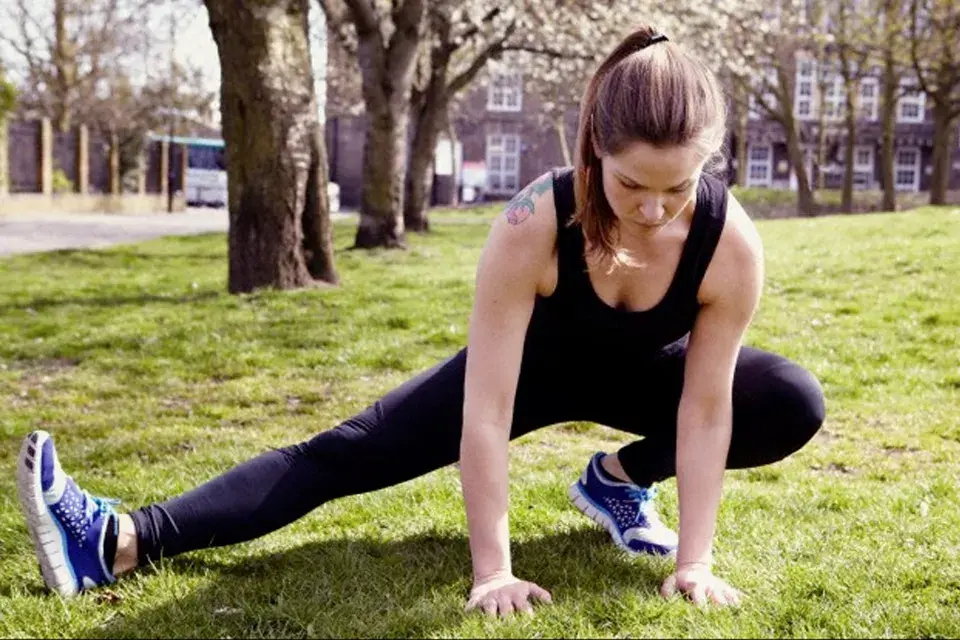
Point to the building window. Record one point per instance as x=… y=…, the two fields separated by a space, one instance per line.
x=806 y=77
x=834 y=100
x=868 y=99
x=906 y=169
x=759 y=165
x=503 y=163
x=863 y=166
x=911 y=104
x=505 y=92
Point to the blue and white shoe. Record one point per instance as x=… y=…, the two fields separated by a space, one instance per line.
x=624 y=509
x=67 y=525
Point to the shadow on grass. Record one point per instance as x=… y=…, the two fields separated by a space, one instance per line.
x=43 y=304
x=364 y=588
x=126 y=255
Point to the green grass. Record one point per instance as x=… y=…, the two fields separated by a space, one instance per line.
x=153 y=379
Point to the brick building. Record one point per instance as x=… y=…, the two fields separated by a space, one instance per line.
x=499 y=128
x=502 y=132
x=767 y=159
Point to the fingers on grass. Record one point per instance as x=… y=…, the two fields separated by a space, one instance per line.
x=541 y=594
x=505 y=604
x=669 y=587
x=490 y=607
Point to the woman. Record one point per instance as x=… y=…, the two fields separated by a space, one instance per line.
x=617 y=292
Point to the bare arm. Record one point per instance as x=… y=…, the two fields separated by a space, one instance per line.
x=513 y=261
x=705 y=416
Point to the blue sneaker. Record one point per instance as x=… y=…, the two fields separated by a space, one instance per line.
x=67 y=525
x=624 y=509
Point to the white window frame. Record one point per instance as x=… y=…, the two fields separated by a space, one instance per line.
x=835 y=96
x=804 y=105
x=919 y=101
x=497 y=144
x=864 y=169
x=505 y=92
x=765 y=164
x=899 y=166
x=872 y=102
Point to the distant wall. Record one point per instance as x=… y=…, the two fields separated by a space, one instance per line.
x=46 y=170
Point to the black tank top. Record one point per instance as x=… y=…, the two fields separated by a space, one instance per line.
x=575 y=321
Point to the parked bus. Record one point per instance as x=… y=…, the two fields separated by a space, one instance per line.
x=206 y=179
x=206 y=183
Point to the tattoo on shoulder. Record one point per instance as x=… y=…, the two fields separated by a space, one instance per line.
x=522 y=205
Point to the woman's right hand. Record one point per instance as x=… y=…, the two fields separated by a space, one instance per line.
x=503 y=594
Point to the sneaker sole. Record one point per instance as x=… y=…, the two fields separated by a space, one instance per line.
x=587 y=508
x=48 y=540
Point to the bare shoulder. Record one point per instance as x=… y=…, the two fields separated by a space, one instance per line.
x=736 y=271
x=530 y=218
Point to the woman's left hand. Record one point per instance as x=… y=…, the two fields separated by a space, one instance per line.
x=699 y=584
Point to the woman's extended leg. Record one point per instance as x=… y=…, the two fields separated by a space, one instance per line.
x=411 y=431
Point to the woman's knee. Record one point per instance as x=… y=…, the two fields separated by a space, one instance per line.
x=791 y=398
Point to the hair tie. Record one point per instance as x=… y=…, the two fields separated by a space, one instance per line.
x=658 y=37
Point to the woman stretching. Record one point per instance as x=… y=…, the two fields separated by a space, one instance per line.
x=616 y=292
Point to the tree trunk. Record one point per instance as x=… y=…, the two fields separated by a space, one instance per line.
x=430 y=112
x=821 y=119
x=419 y=180
x=387 y=78
x=452 y=136
x=560 y=127
x=276 y=162
x=846 y=198
x=888 y=108
x=806 y=205
x=742 y=160
x=317 y=229
x=942 y=143
x=64 y=60
x=740 y=116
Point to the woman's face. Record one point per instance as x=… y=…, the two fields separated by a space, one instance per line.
x=647 y=187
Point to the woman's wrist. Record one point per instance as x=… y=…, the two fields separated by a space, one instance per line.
x=490 y=576
x=704 y=561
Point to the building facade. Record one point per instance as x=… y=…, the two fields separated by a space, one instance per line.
x=766 y=149
x=508 y=142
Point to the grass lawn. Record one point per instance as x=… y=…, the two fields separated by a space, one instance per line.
x=152 y=380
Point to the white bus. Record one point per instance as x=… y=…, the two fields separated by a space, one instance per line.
x=206 y=183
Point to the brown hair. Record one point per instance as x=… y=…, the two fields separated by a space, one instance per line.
x=650 y=90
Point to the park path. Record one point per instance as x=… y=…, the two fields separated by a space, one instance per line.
x=49 y=232
x=35 y=233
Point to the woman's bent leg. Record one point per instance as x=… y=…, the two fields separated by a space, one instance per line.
x=411 y=431
x=778 y=406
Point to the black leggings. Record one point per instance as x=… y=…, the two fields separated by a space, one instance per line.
x=415 y=429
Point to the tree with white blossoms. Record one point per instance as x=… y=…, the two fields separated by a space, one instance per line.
x=586 y=35
x=387 y=37
x=760 y=60
x=889 y=52
x=541 y=37
x=344 y=85
x=934 y=36
x=461 y=38
x=851 y=30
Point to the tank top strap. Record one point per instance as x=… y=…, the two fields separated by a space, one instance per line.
x=569 y=237
x=704 y=235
